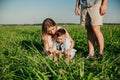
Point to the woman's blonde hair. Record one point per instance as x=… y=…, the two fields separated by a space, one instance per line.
x=48 y=22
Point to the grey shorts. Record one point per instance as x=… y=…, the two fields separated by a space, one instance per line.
x=91 y=16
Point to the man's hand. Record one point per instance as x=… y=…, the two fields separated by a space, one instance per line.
x=77 y=11
x=103 y=10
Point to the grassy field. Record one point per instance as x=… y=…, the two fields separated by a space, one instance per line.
x=21 y=56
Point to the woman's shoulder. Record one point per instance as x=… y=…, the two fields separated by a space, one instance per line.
x=46 y=37
x=59 y=27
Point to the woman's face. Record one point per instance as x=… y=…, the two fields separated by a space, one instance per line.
x=52 y=30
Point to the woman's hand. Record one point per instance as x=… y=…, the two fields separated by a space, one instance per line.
x=67 y=51
x=56 y=52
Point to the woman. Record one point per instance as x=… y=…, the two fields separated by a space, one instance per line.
x=49 y=28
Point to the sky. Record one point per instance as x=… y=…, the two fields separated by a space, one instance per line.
x=61 y=11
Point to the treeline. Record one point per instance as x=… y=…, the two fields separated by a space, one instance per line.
x=57 y=23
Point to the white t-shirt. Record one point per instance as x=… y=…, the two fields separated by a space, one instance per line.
x=62 y=47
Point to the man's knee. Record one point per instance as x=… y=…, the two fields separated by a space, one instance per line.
x=96 y=28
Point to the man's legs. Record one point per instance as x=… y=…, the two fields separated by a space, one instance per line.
x=100 y=38
x=90 y=39
x=94 y=34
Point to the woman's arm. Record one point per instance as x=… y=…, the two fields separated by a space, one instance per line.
x=45 y=43
x=48 y=43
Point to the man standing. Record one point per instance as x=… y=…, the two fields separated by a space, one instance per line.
x=92 y=12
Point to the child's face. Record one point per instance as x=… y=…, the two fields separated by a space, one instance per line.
x=52 y=30
x=61 y=38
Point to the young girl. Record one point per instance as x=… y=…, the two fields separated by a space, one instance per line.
x=49 y=28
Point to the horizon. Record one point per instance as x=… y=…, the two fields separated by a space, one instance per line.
x=56 y=23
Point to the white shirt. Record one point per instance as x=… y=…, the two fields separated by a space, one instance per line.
x=62 y=47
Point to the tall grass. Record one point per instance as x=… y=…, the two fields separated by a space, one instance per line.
x=21 y=56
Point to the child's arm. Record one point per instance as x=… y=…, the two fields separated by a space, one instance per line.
x=67 y=45
x=71 y=42
x=54 y=49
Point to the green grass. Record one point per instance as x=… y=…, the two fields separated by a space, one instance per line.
x=21 y=56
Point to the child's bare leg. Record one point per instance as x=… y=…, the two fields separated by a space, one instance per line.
x=54 y=56
x=60 y=55
x=67 y=56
